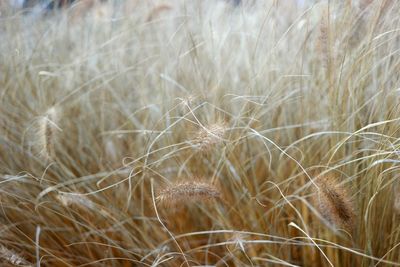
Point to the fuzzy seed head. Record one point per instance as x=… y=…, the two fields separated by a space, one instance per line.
x=334 y=203
x=188 y=192
x=323 y=39
x=155 y=12
x=47 y=128
x=396 y=203
x=68 y=200
x=210 y=136
x=12 y=257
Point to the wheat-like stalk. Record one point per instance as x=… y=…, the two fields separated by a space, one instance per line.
x=334 y=203
x=188 y=192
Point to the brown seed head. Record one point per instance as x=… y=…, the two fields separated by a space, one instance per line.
x=210 y=136
x=334 y=203
x=323 y=38
x=188 y=192
x=47 y=128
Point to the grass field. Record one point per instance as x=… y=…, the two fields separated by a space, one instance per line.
x=201 y=133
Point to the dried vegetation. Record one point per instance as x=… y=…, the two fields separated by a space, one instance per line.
x=288 y=113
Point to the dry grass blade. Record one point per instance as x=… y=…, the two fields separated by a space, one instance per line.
x=252 y=98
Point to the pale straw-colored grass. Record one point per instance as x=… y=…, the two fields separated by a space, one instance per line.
x=106 y=110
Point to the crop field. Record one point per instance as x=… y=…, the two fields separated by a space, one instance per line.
x=200 y=133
